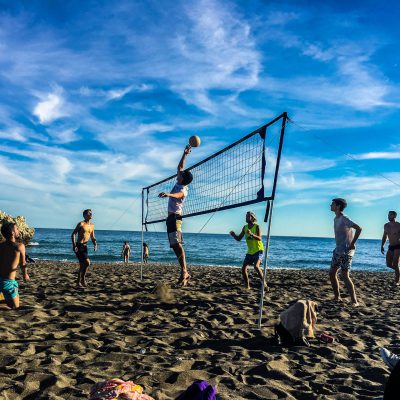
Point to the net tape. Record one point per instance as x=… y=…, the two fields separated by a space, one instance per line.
x=232 y=177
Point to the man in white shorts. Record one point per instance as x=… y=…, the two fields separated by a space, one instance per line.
x=345 y=248
x=175 y=210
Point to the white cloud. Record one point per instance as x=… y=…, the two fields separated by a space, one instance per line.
x=378 y=155
x=51 y=107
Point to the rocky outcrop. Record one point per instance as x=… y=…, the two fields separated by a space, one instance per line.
x=26 y=233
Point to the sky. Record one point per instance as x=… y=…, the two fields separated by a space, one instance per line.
x=98 y=100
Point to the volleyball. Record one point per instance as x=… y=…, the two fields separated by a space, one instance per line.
x=194 y=141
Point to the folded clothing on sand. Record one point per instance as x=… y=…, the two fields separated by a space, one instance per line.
x=199 y=390
x=300 y=319
x=117 y=389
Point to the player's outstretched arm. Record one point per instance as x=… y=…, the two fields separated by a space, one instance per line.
x=181 y=165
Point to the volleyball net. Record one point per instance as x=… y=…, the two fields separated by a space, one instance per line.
x=243 y=173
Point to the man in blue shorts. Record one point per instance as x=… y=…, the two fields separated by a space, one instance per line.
x=344 y=251
x=12 y=255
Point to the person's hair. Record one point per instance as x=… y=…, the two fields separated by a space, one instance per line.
x=187 y=177
x=7 y=229
x=125 y=242
x=393 y=212
x=252 y=215
x=342 y=203
x=85 y=212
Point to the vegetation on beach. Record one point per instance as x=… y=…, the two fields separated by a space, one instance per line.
x=26 y=232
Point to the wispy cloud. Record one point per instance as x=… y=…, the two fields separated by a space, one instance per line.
x=378 y=155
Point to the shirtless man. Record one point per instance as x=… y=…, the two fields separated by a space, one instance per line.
x=12 y=255
x=391 y=231
x=146 y=252
x=126 y=252
x=175 y=210
x=85 y=231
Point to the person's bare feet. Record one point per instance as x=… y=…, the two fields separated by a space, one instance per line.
x=338 y=299
x=184 y=280
x=355 y=304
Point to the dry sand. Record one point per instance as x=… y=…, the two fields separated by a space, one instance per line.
x=65 y=339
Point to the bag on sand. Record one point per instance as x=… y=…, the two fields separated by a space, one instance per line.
x=297 y=323
x=198 y=390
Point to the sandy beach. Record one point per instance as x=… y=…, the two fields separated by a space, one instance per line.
x=65 y=339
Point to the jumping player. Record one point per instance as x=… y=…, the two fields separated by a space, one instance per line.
x=175 y=210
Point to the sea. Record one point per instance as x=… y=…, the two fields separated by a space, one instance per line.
x=205 y=249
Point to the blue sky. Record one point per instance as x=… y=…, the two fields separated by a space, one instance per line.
x=98 y=100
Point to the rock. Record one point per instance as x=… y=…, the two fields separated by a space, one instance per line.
x=26 y=233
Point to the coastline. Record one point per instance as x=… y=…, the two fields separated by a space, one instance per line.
x=64 y=339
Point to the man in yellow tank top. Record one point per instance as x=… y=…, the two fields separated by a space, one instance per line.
x=255 y=248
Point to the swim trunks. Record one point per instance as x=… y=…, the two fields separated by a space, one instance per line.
x=174 y=229
x=9 y=288
x=394 y=247
x=251 y=259
x=82 y=253
x=341 y=261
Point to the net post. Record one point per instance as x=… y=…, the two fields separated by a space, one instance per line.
x=141 y=249
x=270 y=206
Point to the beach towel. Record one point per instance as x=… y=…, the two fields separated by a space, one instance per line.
x=117 y=389
x=300 y=319
x=199 y=390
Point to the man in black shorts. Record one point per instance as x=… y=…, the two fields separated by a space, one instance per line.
x=391 y=231
x=85 y=231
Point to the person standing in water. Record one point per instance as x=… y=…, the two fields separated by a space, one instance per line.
x=146 y=252
x=126 y=252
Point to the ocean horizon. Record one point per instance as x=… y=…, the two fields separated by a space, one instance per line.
x=205 y=249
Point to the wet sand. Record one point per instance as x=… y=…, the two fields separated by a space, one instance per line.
x=65 y=339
